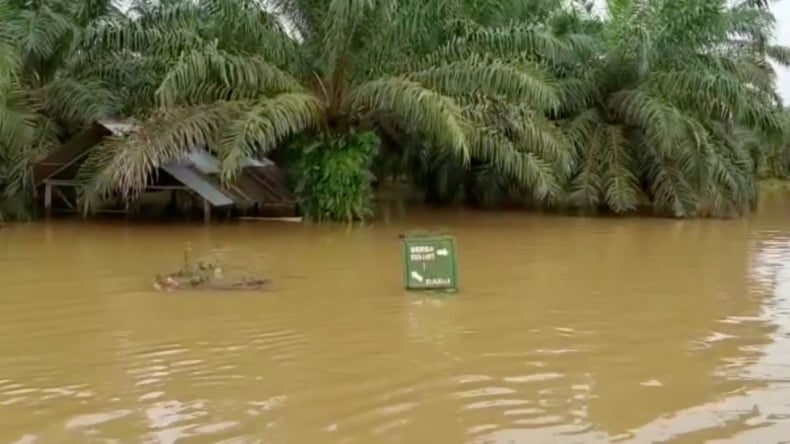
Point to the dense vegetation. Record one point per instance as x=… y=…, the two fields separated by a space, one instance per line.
x=661 y=105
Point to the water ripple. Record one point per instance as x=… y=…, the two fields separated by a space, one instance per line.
x=550 y=342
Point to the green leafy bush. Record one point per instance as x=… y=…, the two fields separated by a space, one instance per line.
x=333 y=180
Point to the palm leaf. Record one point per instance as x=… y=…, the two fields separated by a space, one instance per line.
x=260 y=126
x=214 y=75
x=661 y=122
x=79 y=101
x=526 y=168
x=125 y=165
x=492 y=77
x=424 y=110
x=621 y=189
x=587 y=186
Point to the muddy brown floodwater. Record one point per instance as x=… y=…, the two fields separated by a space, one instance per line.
x=566 y=330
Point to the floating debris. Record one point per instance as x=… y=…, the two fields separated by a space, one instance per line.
x=207 y=274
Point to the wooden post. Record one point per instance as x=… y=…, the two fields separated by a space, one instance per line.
x=206 y=211
x=48 y=198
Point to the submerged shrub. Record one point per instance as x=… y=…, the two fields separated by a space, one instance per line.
x=333 y=177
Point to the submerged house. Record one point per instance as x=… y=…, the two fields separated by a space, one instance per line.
x=260 y=186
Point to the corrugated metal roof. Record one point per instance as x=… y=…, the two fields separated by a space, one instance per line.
x=206 y=163
x=199 y=184
x=117 y=127
x=198 y=157
x=255 y=163
x=199 y=170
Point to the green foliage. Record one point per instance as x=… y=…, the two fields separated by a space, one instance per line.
x=773 y=154
x=662 y=105
x=667 y=105
x=673 y=107
x=46 y=93
x=333 y=178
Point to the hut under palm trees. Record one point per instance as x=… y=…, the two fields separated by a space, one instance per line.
x=260 y=186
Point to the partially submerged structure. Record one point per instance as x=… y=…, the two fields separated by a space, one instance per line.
x=209 y=274
x=260 y=185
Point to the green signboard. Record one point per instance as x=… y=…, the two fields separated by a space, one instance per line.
x=430 y=263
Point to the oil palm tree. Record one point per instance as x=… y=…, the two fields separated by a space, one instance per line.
x=45 y=93
x=244 y=80
x=672 y=110
x=522 y=154
x=677 y=105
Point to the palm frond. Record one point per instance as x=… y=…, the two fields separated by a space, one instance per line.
x=46 y=31
x=132 y=35
x=714 y=94
x=259 y=126
x=125 y=165
x=247 y=27
x=79 y=101
x=621 y=189
x=341 y=23
x=520 y=82
x=210 y=74
x=669 y=187
x=528 y=41
x=528 y=129
x=779 y=54
x=17 y=119
x=426 y=111
x=661 y=121
x=526 y=168
x=10 y=57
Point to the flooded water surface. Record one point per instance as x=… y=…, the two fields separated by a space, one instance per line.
x=566 y=330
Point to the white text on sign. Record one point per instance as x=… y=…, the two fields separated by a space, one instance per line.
x=422 y=253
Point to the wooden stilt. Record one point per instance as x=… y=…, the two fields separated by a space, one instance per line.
x=206 y=211
x=48 y=198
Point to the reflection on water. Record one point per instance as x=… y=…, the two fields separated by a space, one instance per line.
x=566 y=331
